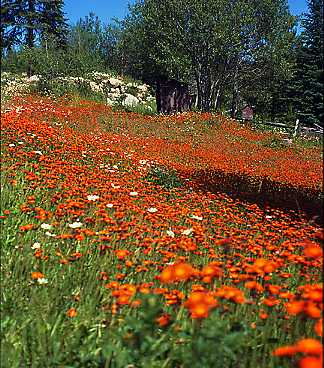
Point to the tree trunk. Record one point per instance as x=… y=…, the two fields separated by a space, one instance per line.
x=235 y=93
x=30 y=33
x=198 y=98
x=158 y=96
x=204 y=88
x=30 y=23
x=217 y=98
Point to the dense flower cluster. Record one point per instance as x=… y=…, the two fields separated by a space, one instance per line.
x=83 y=188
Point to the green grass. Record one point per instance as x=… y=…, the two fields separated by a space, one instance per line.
x=35 y=328
x=36 y=332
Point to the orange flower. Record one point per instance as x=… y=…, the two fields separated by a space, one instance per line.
x=314 y=294
x=121 y=253
x=26 y=227
x=253 y=285
x=312 y=310
x=270 y=302
x=309 y=346
x=312 y=250
x=210 y=271
x=319 y=327
x=310 y=362
x=72 y=312
x=288 y=350
x=295 y=307
x=79 y=237
x=123 y=299
x=167 y=275
x=37 y=275
x=274 y=289
x=183 y=271
x=163 y=320
x=200 y=303
x=195 y=297
x=199 y=310
x=177 y=272
x=319 y=235
x=231 y=293
x=263 y=314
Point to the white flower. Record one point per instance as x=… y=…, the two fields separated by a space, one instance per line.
x=36 y=245
x=46 y=226
x=196 y=217
x=11 y=145
x=130 y=100
x=152 y=210
x=143 y=87
x=42 y=281
x=268 y=217
x=187 y=231
x=38 y=152
x=170 y=233
x=75 y=225
x=109 y=205
x=115 y=82
x=92 y=197
x=115 y=167
x=33 y=78
x=49 y=234
x=133 y=194
x=115 y=186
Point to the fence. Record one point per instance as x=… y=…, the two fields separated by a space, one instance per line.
x=297 y=129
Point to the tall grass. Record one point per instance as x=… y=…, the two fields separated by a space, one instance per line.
x=89 y=226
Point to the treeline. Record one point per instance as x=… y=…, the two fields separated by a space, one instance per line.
x=230 y=52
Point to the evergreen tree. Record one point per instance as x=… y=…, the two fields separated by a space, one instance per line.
x=25 y=22
x=52 y=21
x=11 y=24
x=309 y=75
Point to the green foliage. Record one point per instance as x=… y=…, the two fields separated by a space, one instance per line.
x=148 y=108
x=216 y=45
x=274 y=142
x=309 y=77
x=83 y=52
x=167 y=178
x=24 y=21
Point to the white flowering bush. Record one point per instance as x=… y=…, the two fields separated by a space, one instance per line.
x=104 y=87
x=16 y=84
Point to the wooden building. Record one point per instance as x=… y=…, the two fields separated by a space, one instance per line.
x=172 y=96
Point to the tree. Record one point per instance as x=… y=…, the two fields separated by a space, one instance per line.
x=309 y=76
x=270 y=68
x=11 y=30
x=85 y=43
x=215 y=43
x=111 y=47
x=53 y=24
x=25 y=22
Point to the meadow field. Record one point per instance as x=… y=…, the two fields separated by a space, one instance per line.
x=133 y=240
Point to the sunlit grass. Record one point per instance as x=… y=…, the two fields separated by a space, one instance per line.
x=104 y=242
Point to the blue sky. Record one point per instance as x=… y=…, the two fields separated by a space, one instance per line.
x=107 y=9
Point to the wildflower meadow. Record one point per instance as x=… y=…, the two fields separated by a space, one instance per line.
x=132 y=240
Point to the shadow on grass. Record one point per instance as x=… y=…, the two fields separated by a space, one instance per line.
x=266 y=193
